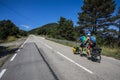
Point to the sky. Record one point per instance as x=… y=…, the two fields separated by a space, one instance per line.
x=30 y=14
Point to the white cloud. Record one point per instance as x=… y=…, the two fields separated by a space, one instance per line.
x=25 y=26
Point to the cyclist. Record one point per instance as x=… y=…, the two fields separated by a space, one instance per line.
x=83 y=40
x=91 y=40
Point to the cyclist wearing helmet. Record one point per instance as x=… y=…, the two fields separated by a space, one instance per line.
x=88 y=41
x=83 y=40
x=92 y=42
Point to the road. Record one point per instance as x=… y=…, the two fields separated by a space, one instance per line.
x=41 y=59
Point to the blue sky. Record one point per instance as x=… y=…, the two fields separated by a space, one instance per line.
x=29 y=14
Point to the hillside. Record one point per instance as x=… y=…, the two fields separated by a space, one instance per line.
x=47 y=29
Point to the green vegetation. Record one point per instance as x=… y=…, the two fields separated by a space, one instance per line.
x=48 y=29
x=9 y=31
x=96 y=14
x=107 y=51
x=64 y=29
x=111 y=52
x=11 y=38
x=64 y=42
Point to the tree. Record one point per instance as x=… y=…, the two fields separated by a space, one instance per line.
x=96 y=13
x=8 y=28
x=22 y=33
x=65 y=29
x=48 y=29
x=62 y=27
x=3 y=33
x=117 y=23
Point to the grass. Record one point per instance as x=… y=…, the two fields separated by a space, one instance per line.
x=11 y=38
x=111 y=52
x=64 y=43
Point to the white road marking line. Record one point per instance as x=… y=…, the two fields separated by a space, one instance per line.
x=2 y=72
x=75 y=63
x=24 y=43
x=18 y=50
x=48 y=46
x=21 y=46
x=13 y=57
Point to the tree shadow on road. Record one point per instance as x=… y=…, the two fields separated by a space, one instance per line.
x=6 y=51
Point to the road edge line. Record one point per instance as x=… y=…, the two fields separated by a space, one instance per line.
x=24 y=42
x=13 y=57
x=2 y=73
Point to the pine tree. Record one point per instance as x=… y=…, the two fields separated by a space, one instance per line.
x=96 y=13
x=118 y=22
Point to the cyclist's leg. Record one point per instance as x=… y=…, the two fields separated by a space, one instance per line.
x=81 y=48
x=88 y=51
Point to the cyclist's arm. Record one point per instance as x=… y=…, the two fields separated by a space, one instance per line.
x=87 y=40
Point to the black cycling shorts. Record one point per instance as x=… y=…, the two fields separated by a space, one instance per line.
x=82 y=45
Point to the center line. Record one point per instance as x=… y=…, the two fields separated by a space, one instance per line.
x=75 y=63
x=13 y=57
x=2 y=72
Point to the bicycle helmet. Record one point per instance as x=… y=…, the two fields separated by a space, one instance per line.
x=88 y=33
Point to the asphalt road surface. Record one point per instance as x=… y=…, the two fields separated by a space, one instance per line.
x=41 y=59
